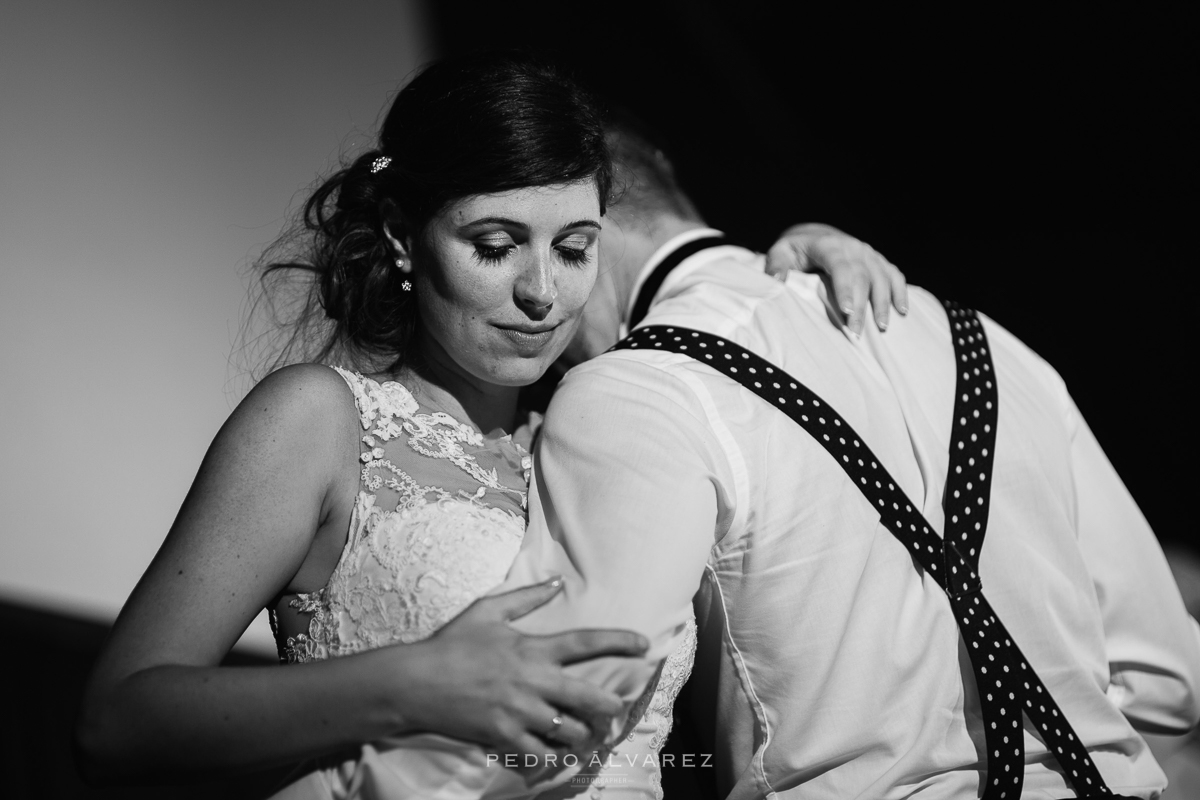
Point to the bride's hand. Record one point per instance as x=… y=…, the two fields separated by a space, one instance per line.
x=855 y=269
x=480 y=680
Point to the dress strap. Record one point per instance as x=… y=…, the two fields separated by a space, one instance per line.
x=365 y=391
x=1007 y=684
x=367 y=403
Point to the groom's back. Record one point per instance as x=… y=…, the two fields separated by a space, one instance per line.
x=836 y=661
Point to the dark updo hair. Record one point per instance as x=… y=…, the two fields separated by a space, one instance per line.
x=464 y=126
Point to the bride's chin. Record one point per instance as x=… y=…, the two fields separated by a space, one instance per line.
x=520 y=372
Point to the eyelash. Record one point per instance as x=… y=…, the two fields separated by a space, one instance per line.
x=491 y=253
x=496 y=254
x=574 y=255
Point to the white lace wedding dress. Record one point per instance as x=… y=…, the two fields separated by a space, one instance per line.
x=438 y=519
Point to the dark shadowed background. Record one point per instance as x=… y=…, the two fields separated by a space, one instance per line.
x=1038 y=166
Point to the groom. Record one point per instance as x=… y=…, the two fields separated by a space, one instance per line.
x=832 y=662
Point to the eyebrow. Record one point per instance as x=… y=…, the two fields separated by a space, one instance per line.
x=579 y=223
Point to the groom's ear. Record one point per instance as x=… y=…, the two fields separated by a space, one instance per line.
x=398 y=233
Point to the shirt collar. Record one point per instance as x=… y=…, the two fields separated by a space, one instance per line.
x=670 y=246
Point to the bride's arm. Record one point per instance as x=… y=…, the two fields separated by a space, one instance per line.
x=158 y=704
x=854 y=271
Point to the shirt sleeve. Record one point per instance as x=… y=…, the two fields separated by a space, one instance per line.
x=1153 y=644
x=626 y=507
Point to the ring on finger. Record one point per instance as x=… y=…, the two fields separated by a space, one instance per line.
x=555 y=723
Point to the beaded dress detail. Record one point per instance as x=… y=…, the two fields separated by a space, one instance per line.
x=417 y=553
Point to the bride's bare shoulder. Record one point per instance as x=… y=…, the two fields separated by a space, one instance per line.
x=303 y=384
x=301 y=406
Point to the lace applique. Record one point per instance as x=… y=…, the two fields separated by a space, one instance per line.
x=406 y=572
x=661 y=711
x=375 y=400
x=675 y=673
x=634 y=760
x=307 y=646
x=435 y=435
x=411 y=493
x=300 y=648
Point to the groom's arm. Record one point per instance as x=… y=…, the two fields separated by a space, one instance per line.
x=1153 y=644
x=627 y=505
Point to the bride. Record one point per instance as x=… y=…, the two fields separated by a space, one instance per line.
x=370 y=496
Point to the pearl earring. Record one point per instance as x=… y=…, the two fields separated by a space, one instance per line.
x=406 y=285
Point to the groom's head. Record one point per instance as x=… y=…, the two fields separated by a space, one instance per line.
x=645 y=188
x=647 y=199
x=647 y=209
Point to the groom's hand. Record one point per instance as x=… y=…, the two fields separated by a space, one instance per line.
x=483 y=681
x=851 y=268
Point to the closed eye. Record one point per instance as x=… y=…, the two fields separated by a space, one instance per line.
x=574 y=248
x=573 y=255
x=492 y=253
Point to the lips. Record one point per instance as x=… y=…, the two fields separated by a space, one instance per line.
x=531 y=329
x=528 y=339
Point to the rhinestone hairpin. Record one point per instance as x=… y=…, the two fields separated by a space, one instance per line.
x=380 y=163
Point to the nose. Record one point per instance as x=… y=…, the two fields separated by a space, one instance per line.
x=535 y=290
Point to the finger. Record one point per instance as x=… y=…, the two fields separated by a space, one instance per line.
x=531 y=750
x=561 y=729
x=581 y=698
x=539 y=758
x=519 y=602
x=550 y=762
x=881 y=295
x=786 y=254
x=514 y=741
x=572 y=646
x=899 y=288
x=850 y=288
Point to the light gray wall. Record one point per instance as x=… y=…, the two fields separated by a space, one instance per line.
x=147 y=152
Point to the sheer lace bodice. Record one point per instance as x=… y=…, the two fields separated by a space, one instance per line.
x=437 y=521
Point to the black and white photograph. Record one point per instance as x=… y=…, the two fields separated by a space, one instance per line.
x=458 y=400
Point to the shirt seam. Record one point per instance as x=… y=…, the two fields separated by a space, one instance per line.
x=760 y=715
x=733 y=454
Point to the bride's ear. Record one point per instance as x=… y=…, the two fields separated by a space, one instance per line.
x=397 y=232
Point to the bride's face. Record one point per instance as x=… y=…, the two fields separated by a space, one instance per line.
x=501 y=279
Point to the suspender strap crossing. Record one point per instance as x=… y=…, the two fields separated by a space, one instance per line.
x=1008 y=686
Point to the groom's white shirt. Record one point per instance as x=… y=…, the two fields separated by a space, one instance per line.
x=833 y=665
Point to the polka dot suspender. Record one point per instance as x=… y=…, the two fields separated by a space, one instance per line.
x=1008 y=686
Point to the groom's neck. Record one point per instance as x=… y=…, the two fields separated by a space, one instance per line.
x=642 y=238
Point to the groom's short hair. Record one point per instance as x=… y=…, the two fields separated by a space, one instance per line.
x=644 y=179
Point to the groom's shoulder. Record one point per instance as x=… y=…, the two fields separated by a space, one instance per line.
x=612 y=371
x=624 y=384
x=1016 y=362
